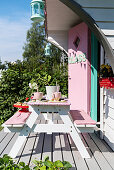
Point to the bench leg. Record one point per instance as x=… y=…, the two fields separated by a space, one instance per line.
x=19 y=142
x=76 y=137
x=24 y=132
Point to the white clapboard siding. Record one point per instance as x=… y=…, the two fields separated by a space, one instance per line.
x=109 y=141
x=109 y=92
x=111 y=40
x=109 y=117
x=109 y=121
x=109 y=131
x=109 y=101
x=109 y=112
x=109 y=136
x=96 y=3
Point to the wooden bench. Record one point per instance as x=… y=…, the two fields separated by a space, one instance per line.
x=17 y=120
x=82 y=121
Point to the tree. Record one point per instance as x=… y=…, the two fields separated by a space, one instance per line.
x=34 y=51
x=35 y=45
x=2 y=66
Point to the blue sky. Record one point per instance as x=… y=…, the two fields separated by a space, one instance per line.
x=14 y=23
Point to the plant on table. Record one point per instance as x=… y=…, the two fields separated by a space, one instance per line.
x=39 y=82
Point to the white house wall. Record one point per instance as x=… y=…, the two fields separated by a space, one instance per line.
x=59 y=39
x=108 y=117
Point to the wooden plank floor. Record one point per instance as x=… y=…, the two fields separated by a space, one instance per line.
x=60 y=147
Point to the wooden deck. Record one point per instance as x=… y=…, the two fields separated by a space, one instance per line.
x=60 y=147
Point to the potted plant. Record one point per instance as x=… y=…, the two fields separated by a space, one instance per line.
x=34 y=86
x=46 y=81
x=51 y=88
x=106 y=79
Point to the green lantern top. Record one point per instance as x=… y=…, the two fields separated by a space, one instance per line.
x=37 y=10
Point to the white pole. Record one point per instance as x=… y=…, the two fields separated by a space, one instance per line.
x=102 y=54
x=101 y=112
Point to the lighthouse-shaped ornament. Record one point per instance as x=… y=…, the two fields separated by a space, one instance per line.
x=37 y=11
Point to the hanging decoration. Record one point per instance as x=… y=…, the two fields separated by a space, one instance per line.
x=37 y=11
x=47 y=50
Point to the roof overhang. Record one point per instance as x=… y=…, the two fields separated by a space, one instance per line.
x=64 y=14
x=60 y=19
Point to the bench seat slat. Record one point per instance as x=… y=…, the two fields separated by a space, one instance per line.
x=18 y=119
x=80 y=117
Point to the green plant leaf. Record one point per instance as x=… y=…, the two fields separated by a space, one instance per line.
x=26 y=167
x=22 y=164
x=46 y=158
x=43 y=168
x=48 y=163
x=67 y=164
x=58 y=164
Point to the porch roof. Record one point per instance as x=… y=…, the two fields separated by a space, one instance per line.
x=64 y=14
x=60 y=19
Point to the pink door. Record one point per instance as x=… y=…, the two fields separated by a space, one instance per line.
x=79 y=68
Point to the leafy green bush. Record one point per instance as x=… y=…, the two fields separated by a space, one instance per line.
x=14 y=85
x=46 y=164
x=7 y=163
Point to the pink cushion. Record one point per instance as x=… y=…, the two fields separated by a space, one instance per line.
x=81 y=118
x=18 y=118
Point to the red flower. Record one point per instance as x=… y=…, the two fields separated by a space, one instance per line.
x=31 y=97
x=27 y=98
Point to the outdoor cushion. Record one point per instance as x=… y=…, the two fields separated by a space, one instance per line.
x=18 y=118
x=80 y=117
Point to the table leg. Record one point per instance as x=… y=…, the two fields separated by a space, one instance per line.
x=74 y=134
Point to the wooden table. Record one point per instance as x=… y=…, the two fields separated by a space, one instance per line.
x=51 y=109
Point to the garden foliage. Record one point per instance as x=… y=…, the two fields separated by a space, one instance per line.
x=44 y=70
x=7 y=163
x=14 y=86
x=106 y=71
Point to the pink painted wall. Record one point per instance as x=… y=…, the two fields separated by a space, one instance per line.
x=79 y=73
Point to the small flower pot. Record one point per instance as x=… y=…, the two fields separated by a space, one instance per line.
x=107 y=82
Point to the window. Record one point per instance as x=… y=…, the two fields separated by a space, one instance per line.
x=36 y=9
x=76 y=42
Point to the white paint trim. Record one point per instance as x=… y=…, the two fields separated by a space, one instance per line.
x=101 y=113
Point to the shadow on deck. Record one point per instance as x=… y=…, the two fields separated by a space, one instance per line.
x=60 y=147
